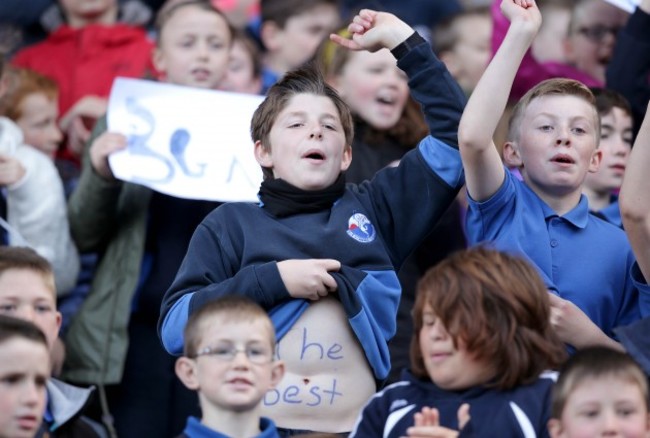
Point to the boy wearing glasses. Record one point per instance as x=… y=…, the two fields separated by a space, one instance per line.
x=228 y=359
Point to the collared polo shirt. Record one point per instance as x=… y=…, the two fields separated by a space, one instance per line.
x=582 y=258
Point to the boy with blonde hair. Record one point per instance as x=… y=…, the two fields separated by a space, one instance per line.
x=600 y=392
x=229 y=360
x=553 y=138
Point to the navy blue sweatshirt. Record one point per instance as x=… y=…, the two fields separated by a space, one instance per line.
x=371 y=229
x=521 y=412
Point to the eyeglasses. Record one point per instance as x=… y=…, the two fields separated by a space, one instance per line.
x=597 y=34
x=227 y=353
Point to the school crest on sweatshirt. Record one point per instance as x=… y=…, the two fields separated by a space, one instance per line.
x=361 y=229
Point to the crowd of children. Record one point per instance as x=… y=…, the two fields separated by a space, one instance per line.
x=452 y=237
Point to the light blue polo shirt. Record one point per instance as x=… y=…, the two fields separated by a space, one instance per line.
x=582 y=258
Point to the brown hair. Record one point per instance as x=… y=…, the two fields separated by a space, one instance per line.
x=411 y=126
x=172 y=6
x=20 y=83
x=304 y=80
x=498 y=306
x=280 y=11
x=552 y=87
x=229 y=308
x=11 y=328
x=607 y=100
x=591 y=364
x=17 y=257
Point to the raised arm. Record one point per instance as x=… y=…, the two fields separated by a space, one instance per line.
x=484 y=172
x=430 y=83
x=635 y=199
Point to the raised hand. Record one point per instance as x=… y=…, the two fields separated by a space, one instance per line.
x=522 y=11
x=371 y=30
x=309 y=279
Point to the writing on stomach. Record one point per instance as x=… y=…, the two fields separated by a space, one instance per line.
x=327 y=380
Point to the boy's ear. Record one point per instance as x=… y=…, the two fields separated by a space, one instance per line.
x=594 y=163
x=270 y=34
x=554 y=428
x=59 y=320
x=263 y=155
x=186 y=371
x=277 y=373
x=511 y=156
x=346 y=159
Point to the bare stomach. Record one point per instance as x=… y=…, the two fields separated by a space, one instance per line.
x=327 y=380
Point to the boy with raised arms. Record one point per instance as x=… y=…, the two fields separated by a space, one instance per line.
x=319 y=255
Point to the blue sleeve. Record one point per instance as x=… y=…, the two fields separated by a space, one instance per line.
x=644 y=290
x=207 y=272
x=429 y=177
x=433 y=87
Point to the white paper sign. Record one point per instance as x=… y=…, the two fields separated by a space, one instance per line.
x=626 y=5
x=186 y=142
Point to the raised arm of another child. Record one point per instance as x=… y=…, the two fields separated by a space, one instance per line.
x=372 y=31
x=635 y=204
x=484 y=171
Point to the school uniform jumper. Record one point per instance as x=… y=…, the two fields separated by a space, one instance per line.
x=371 y=229
x=520 y=412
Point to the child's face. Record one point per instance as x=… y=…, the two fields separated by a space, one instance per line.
x=24 y=369
x=25 y=295
x=38 y=123
x=471 y=54
x=240 y=75
x=297 y=42
x=193 y=48
x=606 y=406
x=374 y=87
x=232 y=383
x=615 y=146
x=307 y=147
x=590 y=44
x=557 y=144
x=449 y=367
